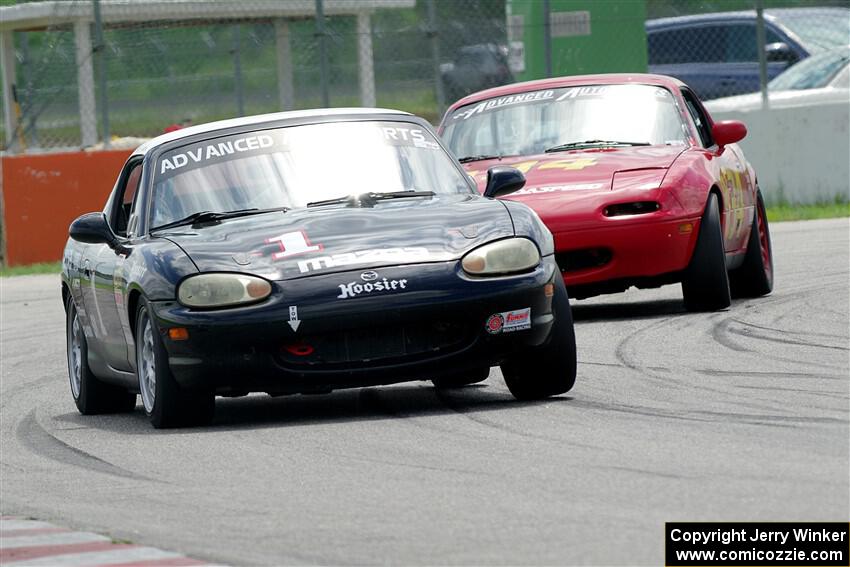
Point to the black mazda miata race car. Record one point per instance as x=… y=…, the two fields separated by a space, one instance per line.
x=302 y=252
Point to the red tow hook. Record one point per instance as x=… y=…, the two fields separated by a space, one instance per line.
x=299 y=349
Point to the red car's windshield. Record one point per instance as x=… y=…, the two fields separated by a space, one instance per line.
x=532 y=122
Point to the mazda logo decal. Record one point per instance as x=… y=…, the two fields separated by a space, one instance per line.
x=369 y=276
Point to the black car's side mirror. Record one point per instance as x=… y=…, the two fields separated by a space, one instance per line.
x=92 y=228
x=503 y=180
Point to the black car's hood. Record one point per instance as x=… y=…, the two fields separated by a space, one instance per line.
x=334 y=238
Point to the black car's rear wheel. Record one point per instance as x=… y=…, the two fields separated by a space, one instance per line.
x=461 y=379
x=166 y=403
x=90 y=394
x=705 y=286
x=754 y=277
x=549 y=369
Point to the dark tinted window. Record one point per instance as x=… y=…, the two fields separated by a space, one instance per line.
x=664 y=47
x=699 y=118
x=714 y=43
x=123 y=206
x=741 y=42
x=697 y=44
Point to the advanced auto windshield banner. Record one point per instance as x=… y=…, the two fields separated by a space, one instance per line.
x=322 y=136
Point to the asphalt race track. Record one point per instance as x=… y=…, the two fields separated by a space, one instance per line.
x=737 y=415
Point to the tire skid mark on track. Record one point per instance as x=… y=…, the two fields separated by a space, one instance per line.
x=807 y=294
x=719 y=334
x=615 y=365
x=748 y=332
x=740 y=373
x=445 y=398
x=769 y=374
x=715 y=416
x=830 y=394
x=623 y=353
x=37 y=439
x=373 y=398
x=780 y=418
x=725 y=336
x=656 y=474
x=792 y=332
x=762 y=477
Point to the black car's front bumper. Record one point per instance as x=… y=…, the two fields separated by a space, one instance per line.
x=434 y=326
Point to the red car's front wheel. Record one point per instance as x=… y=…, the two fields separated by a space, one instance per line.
x=705 y=286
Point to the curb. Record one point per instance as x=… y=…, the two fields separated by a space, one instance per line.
x=31 y=542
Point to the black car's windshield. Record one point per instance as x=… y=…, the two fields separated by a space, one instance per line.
x=290 y=167
x=532 y=122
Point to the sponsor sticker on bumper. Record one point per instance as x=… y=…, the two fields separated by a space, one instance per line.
x=509 y=321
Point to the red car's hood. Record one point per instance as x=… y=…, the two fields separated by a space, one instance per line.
x=572 y=173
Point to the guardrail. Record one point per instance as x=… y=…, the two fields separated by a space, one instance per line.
x=801 y=153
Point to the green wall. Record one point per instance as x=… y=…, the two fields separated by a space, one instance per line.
x=616 y=41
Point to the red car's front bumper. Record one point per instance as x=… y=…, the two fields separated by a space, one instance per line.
x=609 y=240
x=636 y=250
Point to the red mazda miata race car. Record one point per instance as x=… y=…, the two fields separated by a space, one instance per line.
x=638 y=184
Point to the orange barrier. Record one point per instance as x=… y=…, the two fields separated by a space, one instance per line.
x=42 y=194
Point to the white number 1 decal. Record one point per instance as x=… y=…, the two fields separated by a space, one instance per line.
x=292 y=244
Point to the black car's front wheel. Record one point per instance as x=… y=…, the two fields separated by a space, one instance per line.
x=550 y=369
x=91 y=396
x=166 y=403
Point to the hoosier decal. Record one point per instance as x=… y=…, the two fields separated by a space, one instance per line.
x=353 y=289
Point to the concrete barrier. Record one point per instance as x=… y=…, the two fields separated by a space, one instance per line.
x=801 y=154
x=42 y=194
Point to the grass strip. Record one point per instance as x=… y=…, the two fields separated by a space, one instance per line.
x=779 y=212
x=30 y=269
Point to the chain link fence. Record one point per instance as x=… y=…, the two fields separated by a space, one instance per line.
x=139 y=68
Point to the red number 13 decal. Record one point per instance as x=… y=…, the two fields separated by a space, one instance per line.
x=293 y=244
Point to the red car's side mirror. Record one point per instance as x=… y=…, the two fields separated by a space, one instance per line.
x=728 y=132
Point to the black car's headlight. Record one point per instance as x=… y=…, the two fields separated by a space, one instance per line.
x=502 y=257
x=222 y=290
